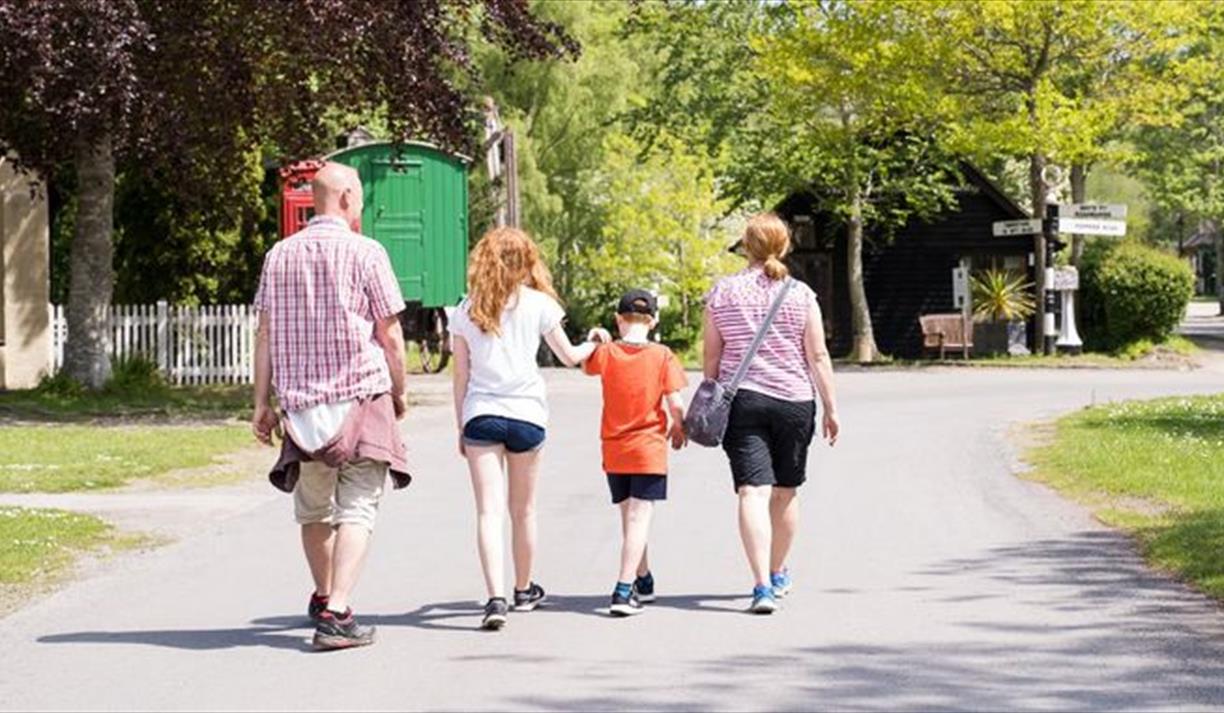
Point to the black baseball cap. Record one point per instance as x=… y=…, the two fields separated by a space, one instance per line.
x=638 y=302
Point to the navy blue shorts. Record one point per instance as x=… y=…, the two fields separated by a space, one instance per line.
x=517 y=436
x=637 y=485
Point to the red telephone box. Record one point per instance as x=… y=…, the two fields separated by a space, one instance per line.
x=297 y=200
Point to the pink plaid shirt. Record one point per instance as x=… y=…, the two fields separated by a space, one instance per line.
x=324 y=288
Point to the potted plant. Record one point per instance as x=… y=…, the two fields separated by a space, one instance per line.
x=1002 y=301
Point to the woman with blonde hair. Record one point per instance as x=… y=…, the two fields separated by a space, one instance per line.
x=772 y=419
x=500 y=401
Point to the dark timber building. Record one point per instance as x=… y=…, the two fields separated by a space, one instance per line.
x=911 y=275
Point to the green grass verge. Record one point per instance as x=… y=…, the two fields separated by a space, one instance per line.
x=204 y=402
x=70 y=457
x=36 y=544
x=1153 y=468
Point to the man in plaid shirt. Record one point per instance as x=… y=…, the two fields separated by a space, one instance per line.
x=330 y=341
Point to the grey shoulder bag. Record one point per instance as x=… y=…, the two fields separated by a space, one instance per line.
x=706 y=420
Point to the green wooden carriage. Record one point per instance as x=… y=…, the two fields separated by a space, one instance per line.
x=416 y=206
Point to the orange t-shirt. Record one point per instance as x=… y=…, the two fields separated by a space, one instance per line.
x=635 y=379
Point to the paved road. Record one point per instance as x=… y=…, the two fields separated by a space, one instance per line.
x=928 y=577
x=1205 y=325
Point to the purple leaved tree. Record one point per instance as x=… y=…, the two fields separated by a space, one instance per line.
x=192 y=87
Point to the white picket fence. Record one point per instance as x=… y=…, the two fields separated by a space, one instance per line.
x=191 y=345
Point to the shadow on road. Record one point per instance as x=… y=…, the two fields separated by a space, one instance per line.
x=1105 y=633
x=194 y=639
x=458 y=616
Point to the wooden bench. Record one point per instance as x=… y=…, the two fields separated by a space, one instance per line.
x=947 y=331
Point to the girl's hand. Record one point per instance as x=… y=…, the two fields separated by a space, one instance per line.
x=830 y=427
x=599 y=335
x=462 y=448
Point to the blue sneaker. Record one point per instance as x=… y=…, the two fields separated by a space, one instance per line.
x=781 y=582
x=644 y=586
x=763 y=600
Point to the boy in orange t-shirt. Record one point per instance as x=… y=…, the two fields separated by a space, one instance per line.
x=638 y=377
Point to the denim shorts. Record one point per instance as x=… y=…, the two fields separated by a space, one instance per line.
x=517 y=436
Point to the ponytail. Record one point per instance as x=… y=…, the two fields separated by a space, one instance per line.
x=767 y=241
x=775 y=269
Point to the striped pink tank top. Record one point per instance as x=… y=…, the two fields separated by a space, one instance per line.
x=738 y=304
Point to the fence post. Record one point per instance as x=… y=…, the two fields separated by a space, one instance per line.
x=163 y=336
x=51 y=342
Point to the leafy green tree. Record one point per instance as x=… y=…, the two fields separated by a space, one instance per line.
x=825 y=96
x=852 y=112
x=562 y=111
x=1183 y=164
x=1051 y=81
x=661 y=231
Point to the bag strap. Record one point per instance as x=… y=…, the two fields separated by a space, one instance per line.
x=742 y=371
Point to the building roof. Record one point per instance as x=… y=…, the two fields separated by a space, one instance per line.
x=971 y=175
x=991 y=189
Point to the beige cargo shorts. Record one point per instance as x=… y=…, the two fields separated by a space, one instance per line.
x=349 y=494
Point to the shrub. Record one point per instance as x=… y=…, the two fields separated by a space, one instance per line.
x=1131 y=292
x=60 y=385
x=135 y=375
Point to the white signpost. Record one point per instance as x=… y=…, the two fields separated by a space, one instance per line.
x=1071 y=218
x=1091 y=226
x=1066 y=282
x=1008 y=228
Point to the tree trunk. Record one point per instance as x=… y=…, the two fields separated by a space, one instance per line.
x=92 y=277
x=864 y=349
x=1079 y=193
x=1037 y=188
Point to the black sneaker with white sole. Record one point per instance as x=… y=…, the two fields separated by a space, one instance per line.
x=625 y=605
x=529 y=598
x=334 y=631
x=495 y=614
x=644 y=586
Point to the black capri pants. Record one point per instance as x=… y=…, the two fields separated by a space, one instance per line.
x=767 y=439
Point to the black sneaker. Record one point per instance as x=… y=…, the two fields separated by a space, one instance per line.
x=623 y=605
x=644 y=586
x=495 y=614
x=341 y=632
x=316 y=607
x=529 y=598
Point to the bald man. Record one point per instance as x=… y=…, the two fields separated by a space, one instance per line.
x=329 y=341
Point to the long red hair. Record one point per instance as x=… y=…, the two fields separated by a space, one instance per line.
x=503 y=259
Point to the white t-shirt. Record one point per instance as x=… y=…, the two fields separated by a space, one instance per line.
x=505 y=380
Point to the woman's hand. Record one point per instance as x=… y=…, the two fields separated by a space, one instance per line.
x=599 y=335
x=830 y=427
x=462 y=448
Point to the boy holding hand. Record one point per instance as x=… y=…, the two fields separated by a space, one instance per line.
x=638 y=378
